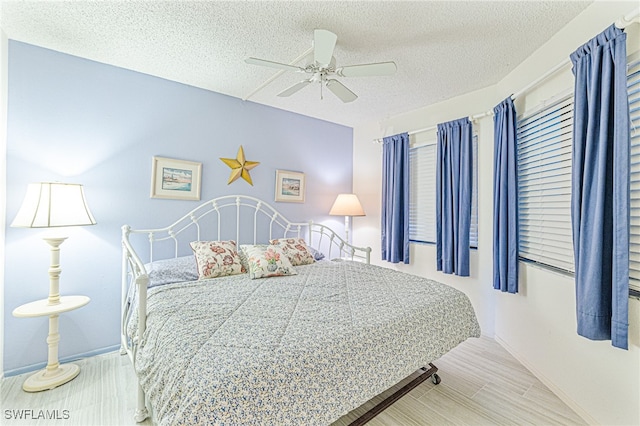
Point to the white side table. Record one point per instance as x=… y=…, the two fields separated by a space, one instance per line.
x=54 y=374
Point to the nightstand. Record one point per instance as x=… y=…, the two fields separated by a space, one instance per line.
x=54 y=374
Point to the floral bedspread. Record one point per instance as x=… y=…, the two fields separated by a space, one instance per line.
x=294 y=350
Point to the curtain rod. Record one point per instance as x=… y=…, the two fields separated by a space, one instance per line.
x=430 y=128
x=622 y=22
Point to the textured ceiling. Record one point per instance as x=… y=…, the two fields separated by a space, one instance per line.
x=442 y=49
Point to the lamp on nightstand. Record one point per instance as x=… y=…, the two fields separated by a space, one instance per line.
x=51 y=205
x=347 y=205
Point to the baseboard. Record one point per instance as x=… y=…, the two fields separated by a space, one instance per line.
x=39 y=366
x=548 y=383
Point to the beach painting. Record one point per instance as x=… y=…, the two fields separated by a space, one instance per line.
x=290 y=186
x=175 y=179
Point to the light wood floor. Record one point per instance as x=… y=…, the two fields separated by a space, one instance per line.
x=482 y=384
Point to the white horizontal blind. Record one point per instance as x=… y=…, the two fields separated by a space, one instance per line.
x=473 y=231
x=422 y=204
x=633 y=85
x=544 y=185
x=422 y=201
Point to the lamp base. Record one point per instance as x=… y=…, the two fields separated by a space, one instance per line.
x=46 y=380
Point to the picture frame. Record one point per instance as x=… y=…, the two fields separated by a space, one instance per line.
x=290 y=186
x=175 y=179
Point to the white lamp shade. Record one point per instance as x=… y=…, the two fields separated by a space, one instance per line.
x=347 y=205
x=48 y=205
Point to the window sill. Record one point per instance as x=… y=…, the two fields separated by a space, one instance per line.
x=632 y=291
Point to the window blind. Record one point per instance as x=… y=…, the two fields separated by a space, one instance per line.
x=473 y=231
x=544 y=185
x=633 y=87
x=422 y=203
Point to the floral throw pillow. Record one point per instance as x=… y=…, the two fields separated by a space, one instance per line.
x=267 y=261
x=216 y=259
x=296 y=250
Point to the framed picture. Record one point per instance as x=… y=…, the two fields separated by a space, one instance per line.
x=290 y=186
x=175 y=179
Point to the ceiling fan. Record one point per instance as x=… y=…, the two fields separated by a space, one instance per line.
x=324 y=68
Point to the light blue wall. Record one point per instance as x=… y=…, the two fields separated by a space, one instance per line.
x=75 y=120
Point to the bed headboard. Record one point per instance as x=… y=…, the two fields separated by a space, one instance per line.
x=247 y=220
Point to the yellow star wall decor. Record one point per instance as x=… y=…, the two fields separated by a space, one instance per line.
x=240 y=167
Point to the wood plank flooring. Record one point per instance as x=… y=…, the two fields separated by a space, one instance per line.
x=482 y=384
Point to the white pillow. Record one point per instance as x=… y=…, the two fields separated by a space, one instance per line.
x=267 y=261
x=296 y=250
x=216 y=259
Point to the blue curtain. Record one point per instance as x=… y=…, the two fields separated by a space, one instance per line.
x=454 y=176
x=505 y=198
x=395 y=198
x=600 y=187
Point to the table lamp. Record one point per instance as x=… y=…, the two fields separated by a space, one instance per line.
x=51 y=205
x=347 y=205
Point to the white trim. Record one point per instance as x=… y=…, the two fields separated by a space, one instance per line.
x=71 y=358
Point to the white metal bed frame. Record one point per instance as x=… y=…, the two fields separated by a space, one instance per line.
x=134 y=273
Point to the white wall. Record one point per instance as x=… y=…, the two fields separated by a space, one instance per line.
x=3 y=174
x=538 y=324
x=367 y=184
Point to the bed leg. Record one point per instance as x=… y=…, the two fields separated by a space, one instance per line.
x=388 y=401
x=123 y=350
x=141 y=411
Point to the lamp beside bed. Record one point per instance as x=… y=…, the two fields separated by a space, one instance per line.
x=52 y=205
x=347 y=205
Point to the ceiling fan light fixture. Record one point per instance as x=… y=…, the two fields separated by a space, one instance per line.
x=324 y=66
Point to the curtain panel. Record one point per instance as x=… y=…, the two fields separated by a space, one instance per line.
x=505 y=198
x=600 y=187
x=454 y=174
x=395 y=198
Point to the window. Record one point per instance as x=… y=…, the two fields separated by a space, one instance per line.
x=633 y=85
x=544 y=185
x=422 y=204
x=422 y=199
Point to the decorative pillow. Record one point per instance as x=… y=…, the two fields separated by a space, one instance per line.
x=267 y=261
x=244 y=260
x=296 y=250
x=217 y=259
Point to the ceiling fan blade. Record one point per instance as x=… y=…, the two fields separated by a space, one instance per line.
x=271 y=64
x=293 y=89
x=323 y=44
x=368 y=70
x=341 y=91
